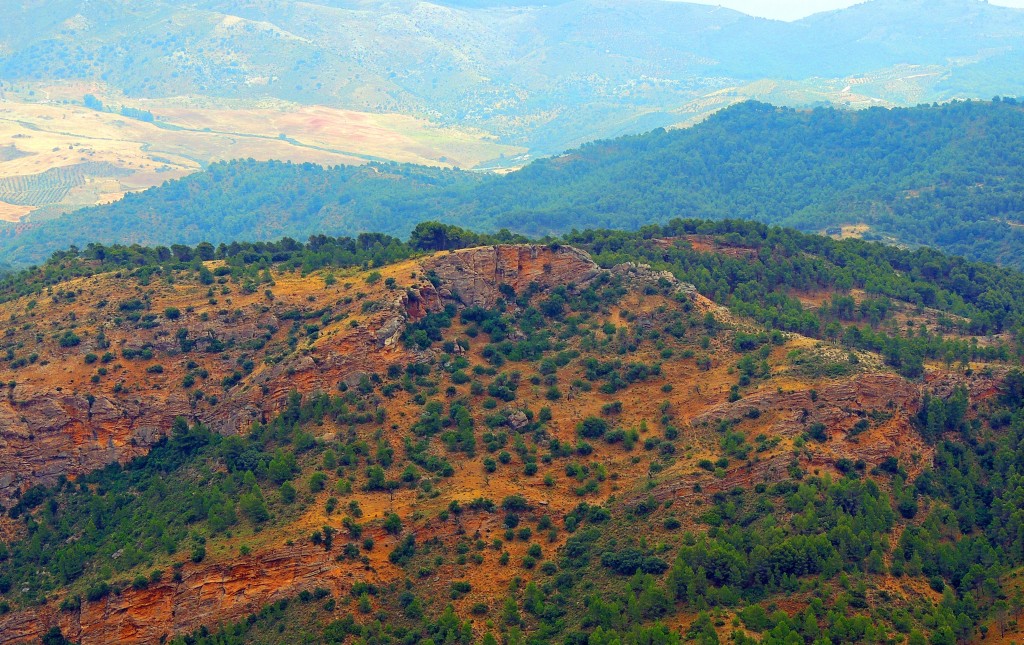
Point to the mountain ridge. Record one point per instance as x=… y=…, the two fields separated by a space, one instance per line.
x=936 y=175
x=505 y=70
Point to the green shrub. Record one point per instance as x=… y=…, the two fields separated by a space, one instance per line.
x=592 y=428
x=317 y=482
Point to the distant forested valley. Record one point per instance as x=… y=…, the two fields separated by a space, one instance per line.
x=947 y=176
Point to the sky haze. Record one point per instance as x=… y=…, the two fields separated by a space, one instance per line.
x=796 y=9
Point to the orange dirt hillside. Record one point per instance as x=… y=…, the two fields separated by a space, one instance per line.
x=100 y=368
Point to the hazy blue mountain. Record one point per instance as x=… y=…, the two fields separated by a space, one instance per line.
x=549 y=75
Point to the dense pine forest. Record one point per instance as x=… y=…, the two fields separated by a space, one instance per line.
x=947 y=176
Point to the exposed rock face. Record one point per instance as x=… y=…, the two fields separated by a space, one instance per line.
x=643 y=275
x=834 y=405
x=207 y=595
x=517 y=419
x=412 y=305
x=472 y=277
x=978 y=387
x=45 y=434
x=839 y=407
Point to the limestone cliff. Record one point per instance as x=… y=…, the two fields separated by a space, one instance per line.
x=472 y=277
x=206 y=595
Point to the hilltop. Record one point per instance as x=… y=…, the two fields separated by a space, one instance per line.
x=716 y=429
x=944 y=176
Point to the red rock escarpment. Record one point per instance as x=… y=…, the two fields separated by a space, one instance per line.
x=207 y=595
x=839 y=406
x=472 y=276
x=46 y=433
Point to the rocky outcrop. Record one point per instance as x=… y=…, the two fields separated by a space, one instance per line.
x=208 y=594
x=419 y=301
x=477 y=277
x=516 y=419
x=46 y=434
x=942 y=384
x=224 y=329
x=891 y=400
x=641 y=275
x=834 y=405
x=411 y=306
x=474 y=277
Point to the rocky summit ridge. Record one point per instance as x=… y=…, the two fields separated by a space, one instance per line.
x=51 y=428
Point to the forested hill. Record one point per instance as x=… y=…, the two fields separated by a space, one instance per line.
x=949 y=176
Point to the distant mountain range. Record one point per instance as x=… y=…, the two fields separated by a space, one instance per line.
x=947 y=176
x=546 y=75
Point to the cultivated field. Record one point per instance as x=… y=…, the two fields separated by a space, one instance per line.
x=56 y=155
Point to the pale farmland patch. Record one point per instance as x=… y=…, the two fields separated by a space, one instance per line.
x=58 y=156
